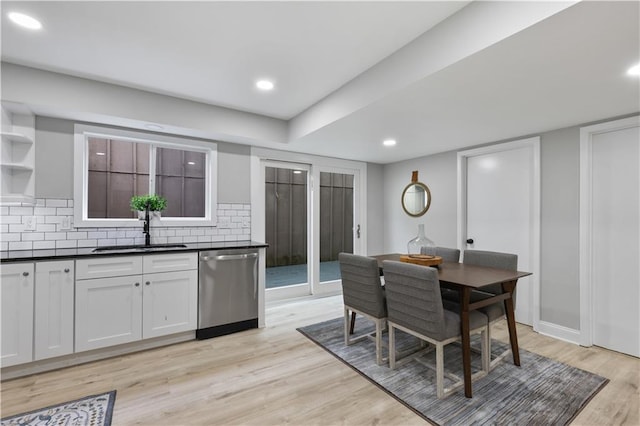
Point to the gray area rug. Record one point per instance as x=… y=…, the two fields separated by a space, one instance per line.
x=540 y=392
x=94 y=410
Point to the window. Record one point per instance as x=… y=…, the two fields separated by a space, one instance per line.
x=113 y=165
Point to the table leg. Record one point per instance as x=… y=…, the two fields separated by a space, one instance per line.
x=466 y=340
x=511 y=321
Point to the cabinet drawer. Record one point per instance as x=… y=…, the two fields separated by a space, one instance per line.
x=115 y=266
x=169 y=262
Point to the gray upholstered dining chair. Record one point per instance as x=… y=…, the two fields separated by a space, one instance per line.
x=447 y=254
x=414 y=306
x=495 y=311
x=363 y=293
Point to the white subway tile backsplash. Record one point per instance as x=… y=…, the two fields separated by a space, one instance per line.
x=45 y=227
x=50 y=214
x=16 y=227
x=64 y=211
x=14 y=236
x=77 y=235
x=44 y=211
x=87 y=243
x=11 y=219
x=39 y=245
x=33 y=236
x=98 y=235
x=66 y=244
x=20 y=245
x=53 y=202
x=20 y=211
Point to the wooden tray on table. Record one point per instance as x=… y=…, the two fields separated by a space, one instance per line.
x=421 y=259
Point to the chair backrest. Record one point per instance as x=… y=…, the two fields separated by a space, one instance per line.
x=361 y=287
x=413 y=298
x=491 y=259
x=447 y=254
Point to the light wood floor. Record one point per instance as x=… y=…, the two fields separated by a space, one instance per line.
x=276 y=376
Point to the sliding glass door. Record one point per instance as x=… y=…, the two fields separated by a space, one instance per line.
x=338 y=229
x=286 y=193
x=311 y=214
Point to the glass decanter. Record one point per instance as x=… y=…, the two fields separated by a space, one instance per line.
x=421 y=244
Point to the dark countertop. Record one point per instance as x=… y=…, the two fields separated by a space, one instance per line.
x=74 y=253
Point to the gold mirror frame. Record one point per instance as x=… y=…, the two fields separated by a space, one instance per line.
x=416 y=197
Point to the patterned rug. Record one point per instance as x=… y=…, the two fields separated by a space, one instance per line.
x=541 y=391
x=94 y=410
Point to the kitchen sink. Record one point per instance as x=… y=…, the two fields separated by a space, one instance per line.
x=138 y=247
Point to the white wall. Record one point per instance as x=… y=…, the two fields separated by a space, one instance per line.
x=559 y=239
x=438 y=172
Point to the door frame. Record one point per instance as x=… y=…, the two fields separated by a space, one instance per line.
x=334 y=287
x=317 y=163
x=300 y=289
x=533 y=144
x=586 y=203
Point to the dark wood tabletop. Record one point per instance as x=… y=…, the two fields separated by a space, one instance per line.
x=466 y=275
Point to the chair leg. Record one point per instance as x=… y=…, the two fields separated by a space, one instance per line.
x=353 y=322
x=346 y=326
x=439 y=370
x=486 y=349
x=392 y=346
x=379 y=342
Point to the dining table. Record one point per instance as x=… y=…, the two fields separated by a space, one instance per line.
x=464 y=278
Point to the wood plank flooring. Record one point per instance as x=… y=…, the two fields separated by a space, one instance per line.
x=276 y=376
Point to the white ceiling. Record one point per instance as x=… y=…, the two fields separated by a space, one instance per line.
x=565 y=70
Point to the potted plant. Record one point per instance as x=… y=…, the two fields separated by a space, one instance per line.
x=155 y=203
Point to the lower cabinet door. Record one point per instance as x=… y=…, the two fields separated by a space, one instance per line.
x=108 y=312
x=54 y=307
x=170 y=303
x=16 y=300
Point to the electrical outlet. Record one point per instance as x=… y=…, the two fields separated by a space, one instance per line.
x=31 y=223
x=65 y=225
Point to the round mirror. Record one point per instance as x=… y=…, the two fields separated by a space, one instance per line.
x=416 y=199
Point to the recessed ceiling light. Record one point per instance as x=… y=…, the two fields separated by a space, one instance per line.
x=100 y=153
x=264 y=84
x=25 y=21
x=389 y=142
x=634 y=70
x=297 y=172
x=191 y=163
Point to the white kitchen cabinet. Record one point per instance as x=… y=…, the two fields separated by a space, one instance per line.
x=16 y=294
x=170 y=303
x=111 y=266
x=132 y=300
x=54 y=296
x=108 y=311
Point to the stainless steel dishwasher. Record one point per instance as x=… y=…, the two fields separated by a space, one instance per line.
x=227 y=292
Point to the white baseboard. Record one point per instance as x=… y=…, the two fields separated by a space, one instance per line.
x=559 y=332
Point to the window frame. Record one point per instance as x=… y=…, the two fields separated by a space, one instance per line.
x=81 y=175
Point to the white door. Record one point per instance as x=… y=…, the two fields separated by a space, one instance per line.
x=615 y=234
x=108 y=312
x=501 y=190
x=16 y=302
x=54 y=309
x=170 y=303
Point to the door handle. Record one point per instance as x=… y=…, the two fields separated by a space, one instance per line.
x=470 y=241
x=358 y=231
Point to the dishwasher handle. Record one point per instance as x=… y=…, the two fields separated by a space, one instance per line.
x=229 y=257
